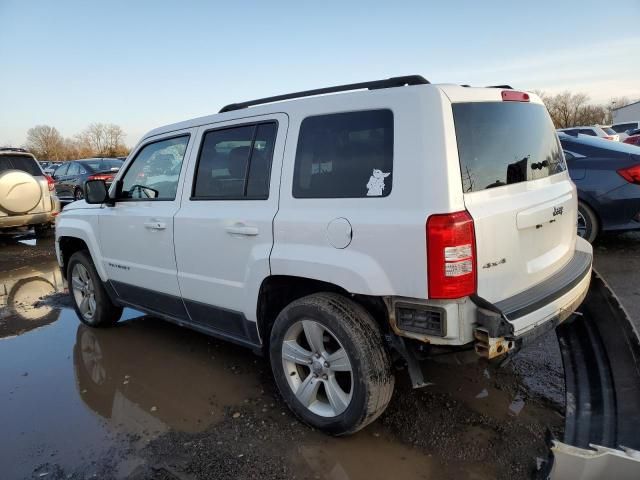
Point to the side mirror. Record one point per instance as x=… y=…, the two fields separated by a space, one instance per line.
x=95 y=191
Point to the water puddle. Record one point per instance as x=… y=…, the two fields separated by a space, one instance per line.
x=146 y=397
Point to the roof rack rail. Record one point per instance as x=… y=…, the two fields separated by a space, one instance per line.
x=374 y=85
x=500 y=86
x=13 y=149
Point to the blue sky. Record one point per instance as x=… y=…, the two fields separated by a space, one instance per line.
x=142 y=64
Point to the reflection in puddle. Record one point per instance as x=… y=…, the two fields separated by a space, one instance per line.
x=23 y=287
x=141 y=376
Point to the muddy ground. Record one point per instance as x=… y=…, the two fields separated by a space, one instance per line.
x=151 y=400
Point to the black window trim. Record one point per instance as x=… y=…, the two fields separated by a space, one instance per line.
x=255 y=125
x=142 y=147
x=393 y=145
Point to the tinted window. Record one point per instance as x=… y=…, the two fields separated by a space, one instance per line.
x=235 y=163
x=19 y=162
x=608 y=131
x=623 y=127
x=345 y=155
x=501 y=143
x=74 y=169
x=103 y=164
x=155 y=171
x=61 y=170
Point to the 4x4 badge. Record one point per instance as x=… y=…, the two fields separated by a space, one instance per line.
x=557 y=211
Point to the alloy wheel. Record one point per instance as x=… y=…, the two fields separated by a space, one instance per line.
x=83 y=291
x=317 y=368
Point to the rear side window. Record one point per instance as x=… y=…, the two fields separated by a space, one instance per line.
x=345 y=155
x=235 y=163
x=502 y=143
x=623 y=127
x=19 y=162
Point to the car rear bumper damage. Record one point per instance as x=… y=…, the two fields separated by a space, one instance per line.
x=507 y=325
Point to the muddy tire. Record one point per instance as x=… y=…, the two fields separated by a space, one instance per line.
x=588 y=224
x=330 y=364
x=90 y=300
x=44 y=230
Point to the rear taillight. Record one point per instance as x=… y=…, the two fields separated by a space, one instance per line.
x=631 y=174
x=514 y=96
x=51 y=183
x=451 y=255
x=101 y=176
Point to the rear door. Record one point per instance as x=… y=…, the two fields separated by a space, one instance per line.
x=224 y=229
x=517 y=190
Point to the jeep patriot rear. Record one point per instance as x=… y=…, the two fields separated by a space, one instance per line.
x=338 y=232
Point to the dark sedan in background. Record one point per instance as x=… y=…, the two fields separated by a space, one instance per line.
x=70 y=176
x=607 y=175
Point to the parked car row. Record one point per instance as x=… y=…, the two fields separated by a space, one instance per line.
x=616 y=132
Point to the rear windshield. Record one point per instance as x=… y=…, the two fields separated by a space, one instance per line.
x=19 y=162
x=500 y=143
x=608 y=131
x=102 y=164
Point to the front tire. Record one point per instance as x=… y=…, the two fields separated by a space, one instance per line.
x=330 y=364
x=90 y=300
x=78 y=194
x=588 y=225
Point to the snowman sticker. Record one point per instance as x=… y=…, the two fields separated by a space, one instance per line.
x=376 y=183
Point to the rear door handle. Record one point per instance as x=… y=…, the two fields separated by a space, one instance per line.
x=153 y=225
x=242 y=229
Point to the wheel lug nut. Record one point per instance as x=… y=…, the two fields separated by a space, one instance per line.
x=324 y=377
x=315 y=375
x=326 y=364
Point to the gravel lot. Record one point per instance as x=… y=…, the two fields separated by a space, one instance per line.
x=150 y=400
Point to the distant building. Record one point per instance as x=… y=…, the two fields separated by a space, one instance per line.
x=628 y=113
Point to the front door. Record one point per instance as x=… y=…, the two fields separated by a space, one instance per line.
x=223 y=231
x=136 y=235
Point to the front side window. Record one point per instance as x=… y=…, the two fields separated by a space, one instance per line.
x=235 y=162
x=345 y=155
x=155 y=171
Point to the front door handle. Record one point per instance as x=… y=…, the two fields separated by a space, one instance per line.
x=153 y=225
x=242 y=229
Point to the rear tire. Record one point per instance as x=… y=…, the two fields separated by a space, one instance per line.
x=78 y=194
x=331 y=348
x=588 y=224
x=90 y=299
x=43 y=230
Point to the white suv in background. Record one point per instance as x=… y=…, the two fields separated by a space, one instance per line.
x=335 y=233
x=27 y=196
x=623 y=129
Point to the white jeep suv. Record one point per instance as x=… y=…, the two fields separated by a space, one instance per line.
x=339 y=233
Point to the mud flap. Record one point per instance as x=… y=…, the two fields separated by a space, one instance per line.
x=600 y=349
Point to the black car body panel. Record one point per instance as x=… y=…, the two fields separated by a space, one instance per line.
x=593 y=165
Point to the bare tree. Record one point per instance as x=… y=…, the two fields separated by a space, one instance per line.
x=572 y=109
x=46 y=142
x=104 y=140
